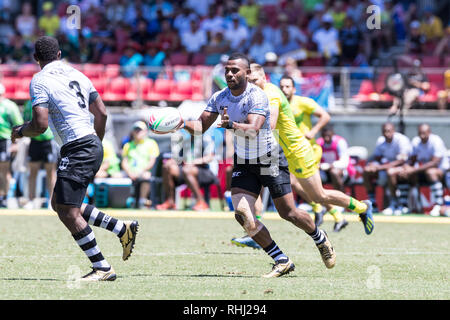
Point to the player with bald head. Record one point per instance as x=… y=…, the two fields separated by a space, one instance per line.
x=427 y=164
x=258 y=162
x=392 y=149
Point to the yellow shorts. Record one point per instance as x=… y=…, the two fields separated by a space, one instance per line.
x=303 y=161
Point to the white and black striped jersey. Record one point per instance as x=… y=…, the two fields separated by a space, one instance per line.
x=65 y=91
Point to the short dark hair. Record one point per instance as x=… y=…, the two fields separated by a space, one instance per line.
x=46 y=49
x=328 y=128
x=286 y=77
x=238 y=55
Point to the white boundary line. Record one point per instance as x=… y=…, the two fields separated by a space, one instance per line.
x=224 y=215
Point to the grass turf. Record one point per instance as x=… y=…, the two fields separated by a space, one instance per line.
x=184 y=258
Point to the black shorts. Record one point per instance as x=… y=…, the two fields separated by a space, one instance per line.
x=79 y=163
x=252 y=177
x=42 y=151
x=4 y=150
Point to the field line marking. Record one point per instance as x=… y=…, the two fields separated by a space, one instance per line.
x=225 y=215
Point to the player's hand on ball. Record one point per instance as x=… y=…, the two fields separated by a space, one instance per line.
x=225 y=121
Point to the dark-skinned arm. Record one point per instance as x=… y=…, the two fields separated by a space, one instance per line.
x=33 y=128
x=98 y=109
x=202 y=124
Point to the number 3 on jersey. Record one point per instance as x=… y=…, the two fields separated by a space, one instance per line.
x=76 y=86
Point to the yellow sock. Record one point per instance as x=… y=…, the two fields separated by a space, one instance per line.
x=337 y=215
x=357 y=206
x=316 y=207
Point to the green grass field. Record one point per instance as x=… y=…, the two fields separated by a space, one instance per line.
x=192 y=258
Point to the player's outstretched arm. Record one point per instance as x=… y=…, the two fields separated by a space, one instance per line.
x=98 y=109
x=202 y=124
x=35 y=127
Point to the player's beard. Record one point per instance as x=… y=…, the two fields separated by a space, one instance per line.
x=237 y=84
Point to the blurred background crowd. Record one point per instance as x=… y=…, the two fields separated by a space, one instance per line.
x=153 y=32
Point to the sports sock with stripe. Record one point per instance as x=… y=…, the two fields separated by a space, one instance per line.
x=86 y=240
x=337 y=215
x=316 y=207
x=95 y=217
x=357 y=206
x=318 y=236
x=403 y=191
x=437 y=193
x=275 y=252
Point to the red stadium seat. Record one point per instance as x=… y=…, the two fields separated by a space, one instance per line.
x=365 y=90
x=112 y=71
x=110 y=58
x=179 y=58
x=146 y=87
x=116 y=89
x=437 y=79
x=198 y=59
x=431 y=62
x=181 y=90
x=312 y=62
x=22 y=91
x=161 y=90
x=197 y=91
x=99 y=85
x=92 y=70
x=131 y=90
x=27 y=70
x=10 y=86
x=7 y=70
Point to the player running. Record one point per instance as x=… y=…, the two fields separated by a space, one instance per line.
x=300 y=154
x=64 y=98
x=302 y=109
x=258 y=162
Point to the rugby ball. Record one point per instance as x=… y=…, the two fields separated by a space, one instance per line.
x=164 y=120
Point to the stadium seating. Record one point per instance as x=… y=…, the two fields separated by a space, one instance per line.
x=161 y=90
x=27 y=70
x=179 y=59
x=93 y=71
x=146 y=86
x=22 y=91
x=116 y=89
x=10 y=86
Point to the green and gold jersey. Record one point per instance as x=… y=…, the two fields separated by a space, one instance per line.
x=290 y=136
x=28 y=115
x=303 y=108
x=9 y=117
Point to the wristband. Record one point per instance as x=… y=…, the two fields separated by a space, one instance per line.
x=229 y=125
x=19 y=132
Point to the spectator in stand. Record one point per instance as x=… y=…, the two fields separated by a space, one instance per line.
x=182 y=21
x=237 y=34
x=168 y=40
x=327 y=40
x=249 y=10
x=315 y=22
x=415 y=40
x=259 y=47
x=110 y=167
x=292 y=9
x=141 y=36
x=391 y=152
x=154 y=57
x=218 y=74
x=190 y=164
x=339 y=14
x=214 y=22
x=20 y=52
x=200 y=7
x=355 y=10
x=9 y=117
x=349 y=38
x=216 y=48
x=164 y=6
x=417 y=85
x=295 y=34
x=427 y=164
x=287 y=44
x=26 y=22
x=102 y=39
x=49 y=22
x=131 y=60
x=115 y=11
x=443 y=95
x=335 y=165
x=195 y=39
x=443 y=47
x=138 y=158
x=431 y=26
